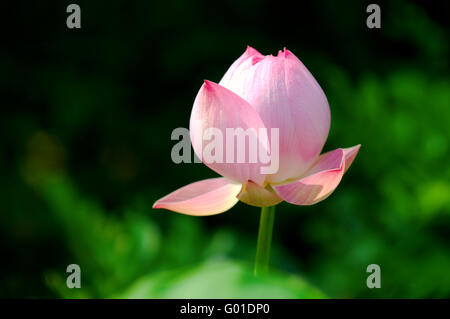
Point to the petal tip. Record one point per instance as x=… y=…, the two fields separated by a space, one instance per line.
x=283 y=53
x=350 y=154
x=209 y=85
x=156 y=205
x=251 y=51
x=351 y=151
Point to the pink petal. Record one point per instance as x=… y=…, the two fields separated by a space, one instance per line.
x=255 y=195
x=219 y=108
x=286 y=96
x=321 y=180
x=203 y=198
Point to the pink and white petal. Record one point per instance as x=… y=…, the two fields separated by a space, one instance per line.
x=321 y=180
x=287 y=97
x=207 y=197
x=255 y=195
x=217 y=108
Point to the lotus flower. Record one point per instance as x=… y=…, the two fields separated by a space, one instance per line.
x=256 y=92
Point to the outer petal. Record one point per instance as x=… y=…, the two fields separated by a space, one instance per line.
x=321 y=180
x=287 y=97
x=255 y=195
x=203 y=198
x=219 y=108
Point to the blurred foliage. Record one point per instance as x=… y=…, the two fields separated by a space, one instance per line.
x=86 y=120
x=113 y=254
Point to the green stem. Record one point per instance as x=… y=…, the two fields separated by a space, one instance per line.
x=264 y=240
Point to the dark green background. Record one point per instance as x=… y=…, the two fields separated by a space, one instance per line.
x=86 y=118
